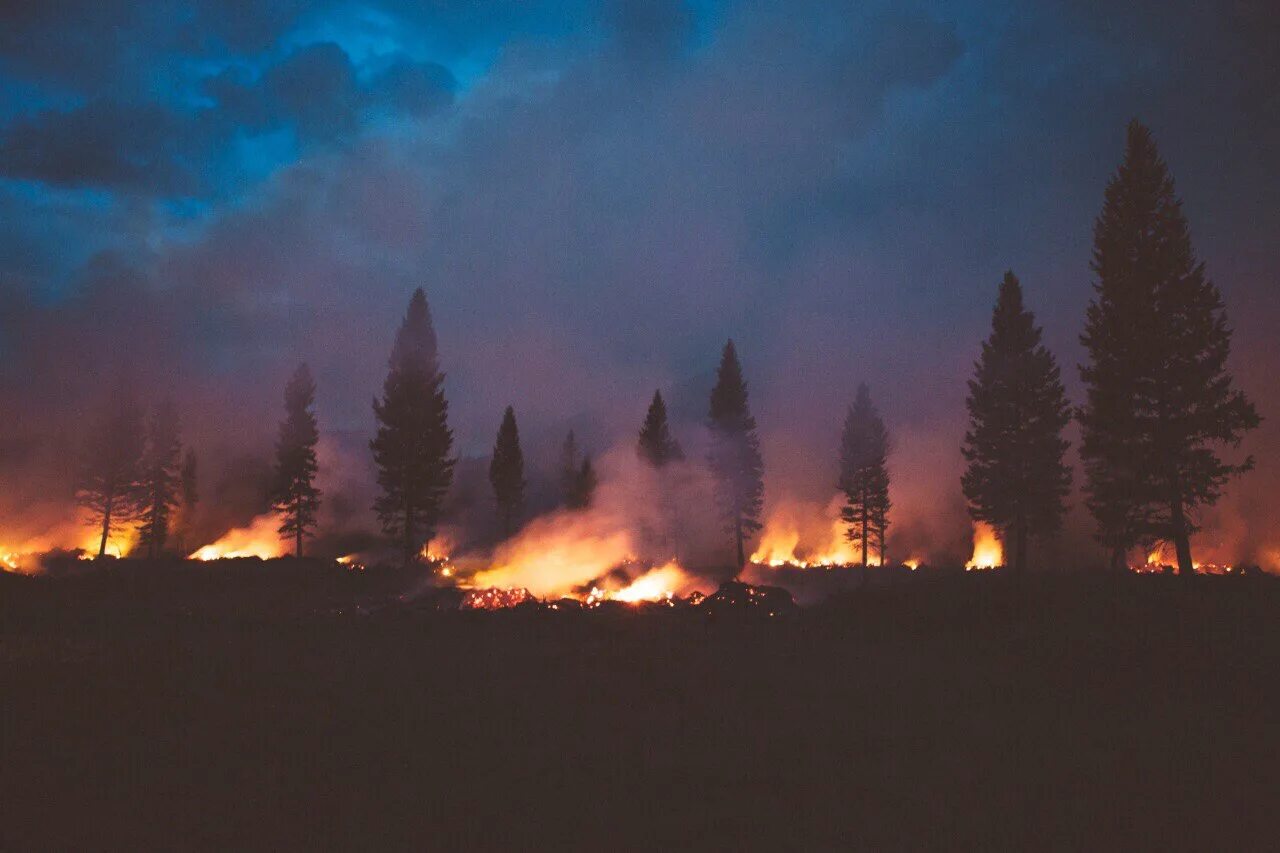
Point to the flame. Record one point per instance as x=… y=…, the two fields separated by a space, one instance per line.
x=988 y=553
x=556 y=553
x=912 y=563
x=657 y=584
x=780 y=543
x=438 y=549
x=1160 y=560
x=260 y=539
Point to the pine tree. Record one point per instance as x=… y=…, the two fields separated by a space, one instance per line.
x=1016 y=479
x=506 y=472
x=570 y=462
x=864 y=477
x=294 y=494
x=190 y=493
x=411 y=448
x=160 y=478
x=583 y=490
x=110 y=470
x=1158 y=398
x=734 y=459
x=656 y=445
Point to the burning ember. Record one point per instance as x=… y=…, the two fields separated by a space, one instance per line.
x=260 y=539
x=495 y=599
x=988 y=552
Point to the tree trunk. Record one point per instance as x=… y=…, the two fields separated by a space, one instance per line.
x=408 y=533
x=106 y=528
x=297 y=550
x=1181 y=539
x=864 y=532
x=1118 y=561
x=737 y=535
x=1019 y=546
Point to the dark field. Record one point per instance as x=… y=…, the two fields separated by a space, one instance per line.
x=231 y=708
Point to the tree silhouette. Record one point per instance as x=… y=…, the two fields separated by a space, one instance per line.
x=656 y=445
x=110 y=468
x=506 y=472
x=294 y=494
x=1016 y=479
x=864 y=477
x=1158 y=394
x=189 y=490
x=411 y=448
x=734 y=458
x=159 y=484
x=584 y=485
x=570 y=462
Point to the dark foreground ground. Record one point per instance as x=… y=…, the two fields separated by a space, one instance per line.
x=1087 y=713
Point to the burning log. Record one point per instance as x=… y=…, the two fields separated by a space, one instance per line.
x=737 y=597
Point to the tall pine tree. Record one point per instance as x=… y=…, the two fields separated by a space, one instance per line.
x=864 y=476
x=1159 y=399
x=411 y=448
x=160 y=482
x=295 y=495
x=734 y=458
x=1016 y=479
x=111 y=468
x=506 y=472
x=656 y=445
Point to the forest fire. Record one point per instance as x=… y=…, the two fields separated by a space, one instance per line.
x=260 y=539
x=827 y=547
x=1160 y=561
x=988 y=552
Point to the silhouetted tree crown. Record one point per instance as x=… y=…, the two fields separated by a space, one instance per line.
x=734 y=458
x=412 y=444
x=294 y=494
x=506 y=472
x=1159 y=399
x=109 y=487
x=161 y=472
x=656 y=445
x=864 y=475
x=1016 y=479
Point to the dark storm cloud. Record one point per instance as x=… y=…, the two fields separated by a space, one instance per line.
x=167 y=150
x=612 y=190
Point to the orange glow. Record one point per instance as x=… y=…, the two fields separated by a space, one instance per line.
x=555 y=554
x=260 y=539
x=825 y=545
x=988 y=553
x=438 y=549
x=1162 y=559
x=658 y=584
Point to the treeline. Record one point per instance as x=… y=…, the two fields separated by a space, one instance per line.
x=1158 y=402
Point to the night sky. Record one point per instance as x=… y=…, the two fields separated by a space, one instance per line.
x=201 y=194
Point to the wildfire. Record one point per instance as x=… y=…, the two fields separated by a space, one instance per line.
x=988 y=553
x=438 y=549
x=657 y=584
x=1158 y=561
x=780 y=544
x=260 y=539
